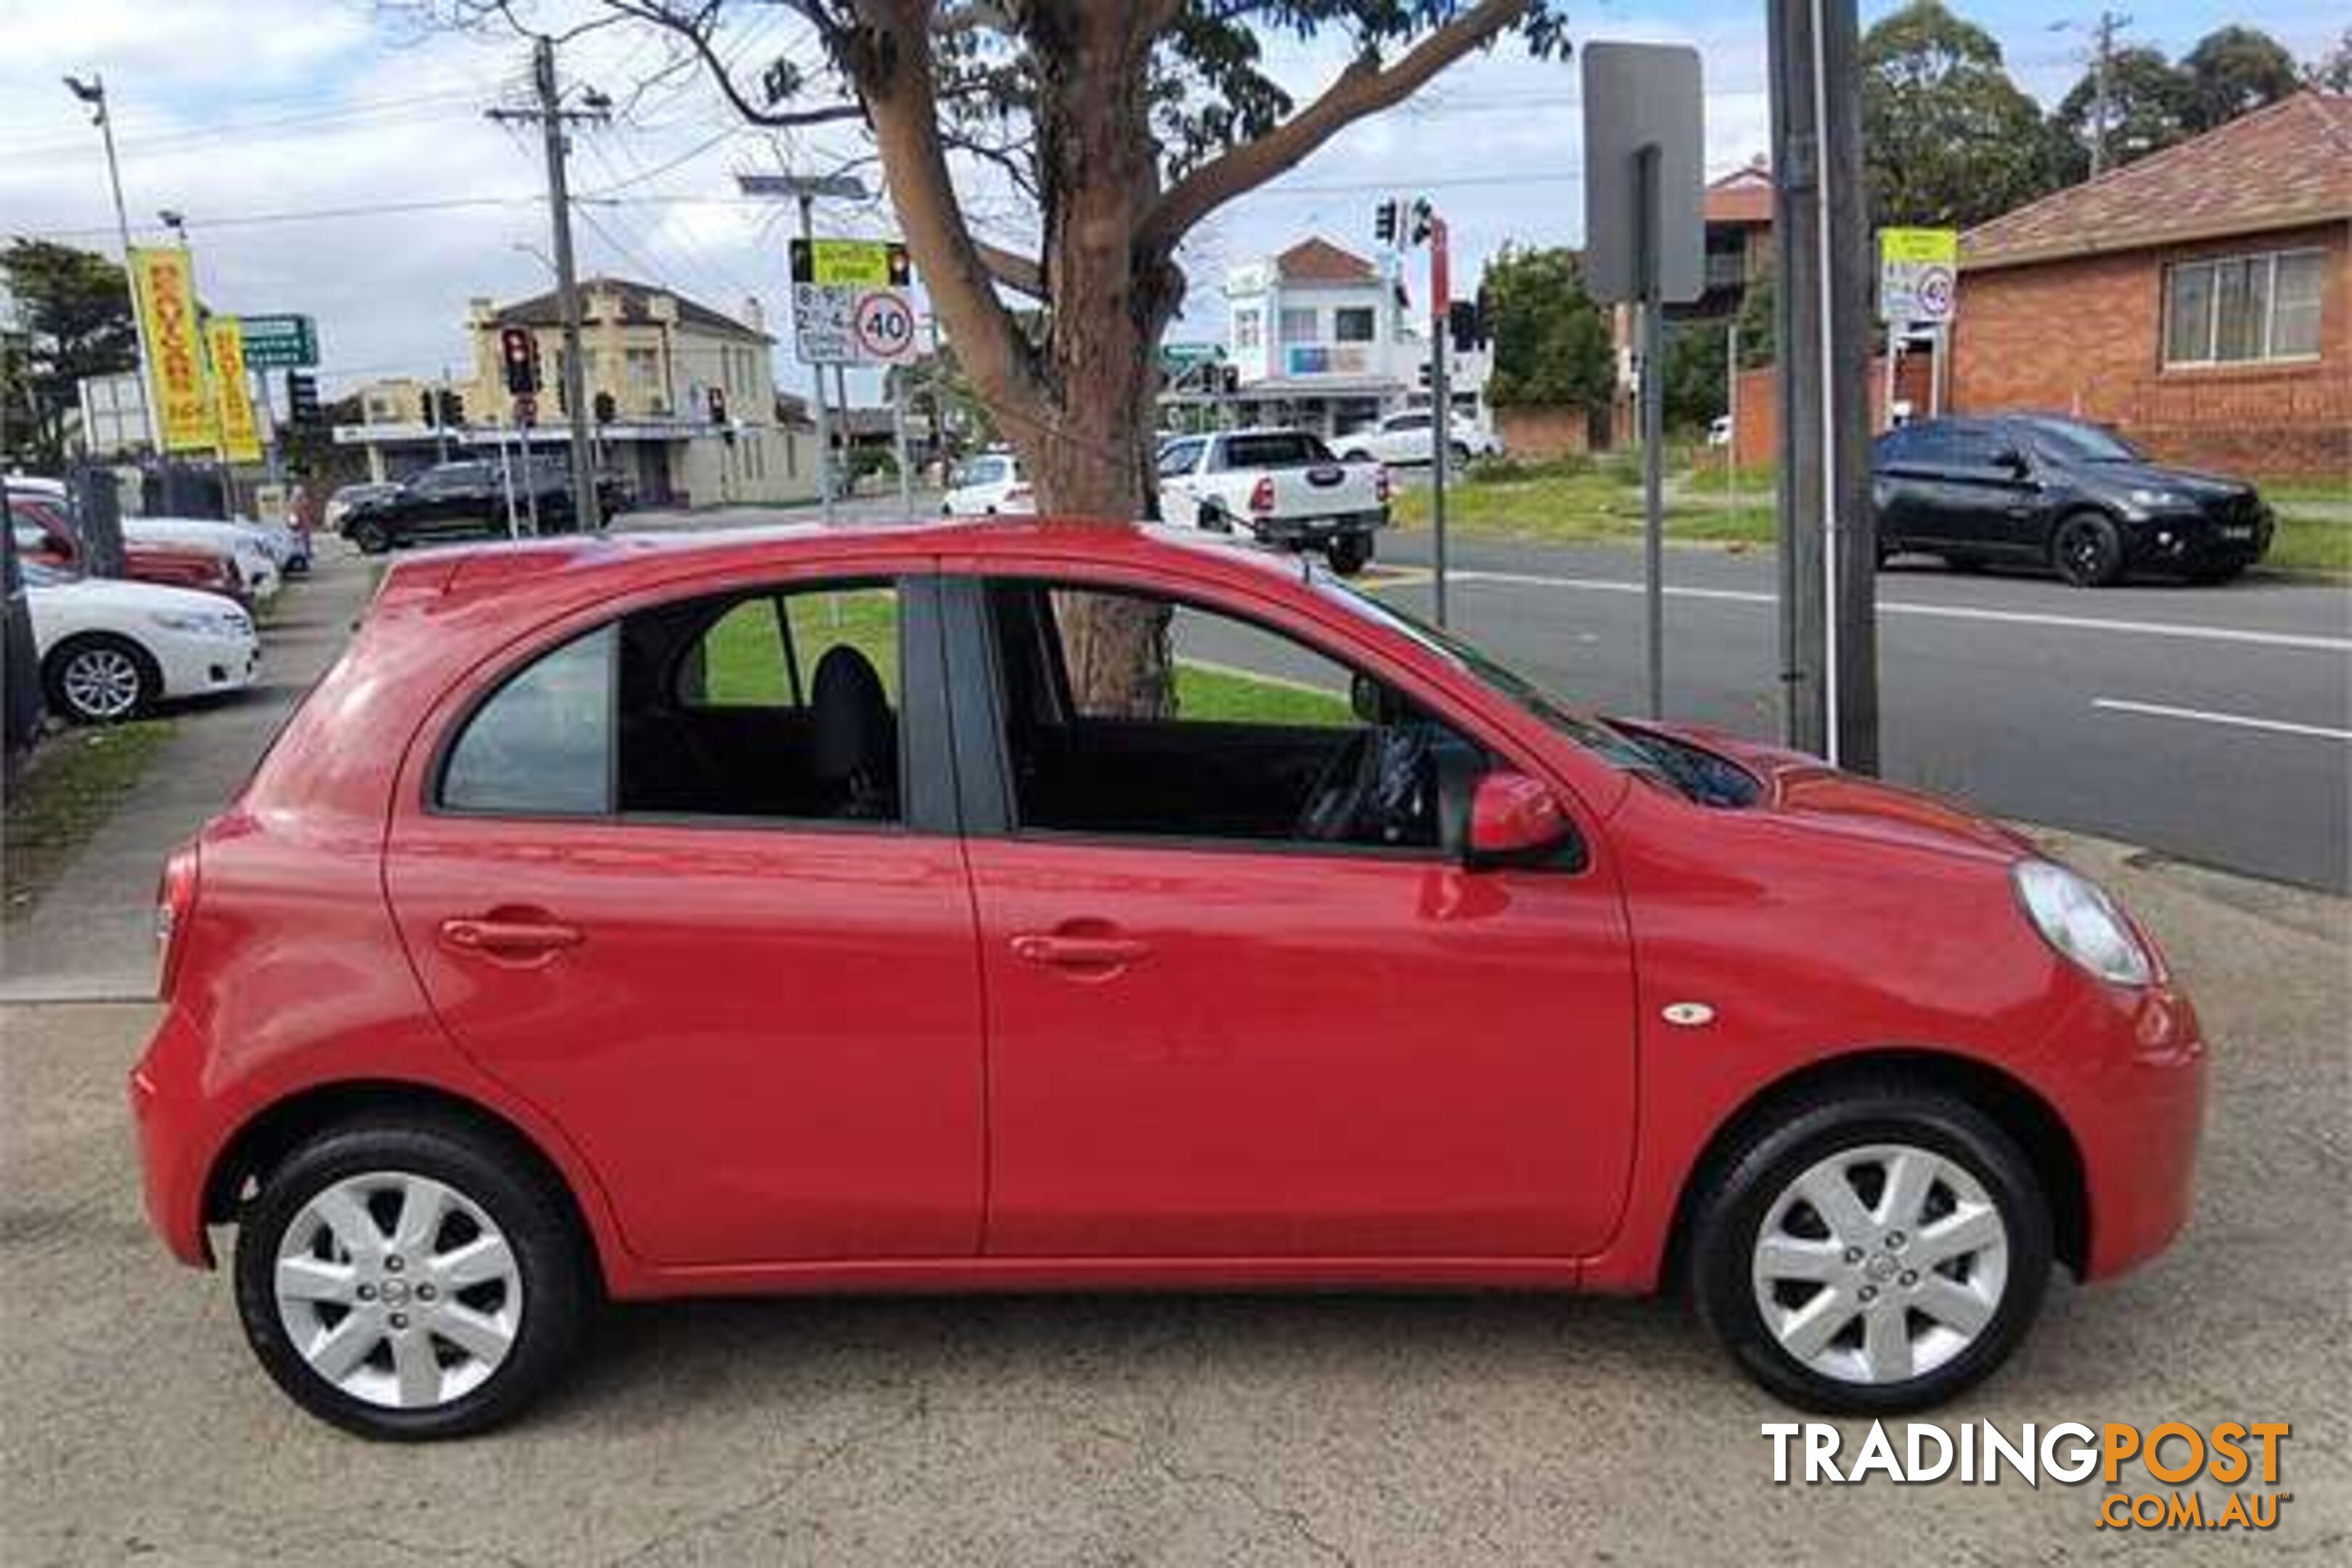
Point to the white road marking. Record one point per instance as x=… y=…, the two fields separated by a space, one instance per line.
x=2242 y=634
x=2204 y=716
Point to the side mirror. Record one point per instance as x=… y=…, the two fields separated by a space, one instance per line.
x=1513 y=820
x=2015 y=462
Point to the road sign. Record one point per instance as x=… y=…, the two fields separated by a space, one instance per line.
x=885 y=324
x=848 y=301
x=279 y=342
x=1642 y=98
x=1918 y=272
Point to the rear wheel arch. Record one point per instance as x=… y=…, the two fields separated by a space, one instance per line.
x=2012 y=1105
x=263 y=1143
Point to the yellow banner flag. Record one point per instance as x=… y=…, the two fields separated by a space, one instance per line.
x=174 y=348
x=240 y=433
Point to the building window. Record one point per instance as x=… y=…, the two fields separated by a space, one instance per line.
x=1248 y=330
x=1352 y=324
x=1298 y=324
x=2239 y=309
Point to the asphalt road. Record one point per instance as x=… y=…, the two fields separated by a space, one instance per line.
x=1188 y=1429
x=2213 y=723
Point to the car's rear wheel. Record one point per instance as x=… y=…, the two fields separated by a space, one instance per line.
x=410 y=1281
x=1879 y=1249
x=101 y=678
x=2087 y=549
x=1349 y=556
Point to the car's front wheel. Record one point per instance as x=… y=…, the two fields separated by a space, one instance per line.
x=2087 y=549
x=1878 y=1250
x=101 y=678
x=410 y=1280
x=371 y=537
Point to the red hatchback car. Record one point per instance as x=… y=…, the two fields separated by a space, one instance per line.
x=643 y=917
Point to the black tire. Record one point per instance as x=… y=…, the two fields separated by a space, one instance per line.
x=1458 y=455
x=1744 y=1185
x=552 y=1260
x=1350 y=554
x=2087 y=549
x=1213 y=519
x=371 y=537
x=69 y=696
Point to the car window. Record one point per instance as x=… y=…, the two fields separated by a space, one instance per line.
x=1410 y=422
x=1894 y=446
x=1274 y=450
x=1178 y=457
x=542 y=744
x=767 y=705
x=1260 y=739
x=982 y=471
x=1973 y=446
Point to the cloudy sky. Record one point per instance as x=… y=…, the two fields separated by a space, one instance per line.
x=332 y=157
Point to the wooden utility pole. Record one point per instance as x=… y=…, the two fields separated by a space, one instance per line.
x=1829 y=646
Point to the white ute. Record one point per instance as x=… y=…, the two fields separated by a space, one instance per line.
x=1283 y=487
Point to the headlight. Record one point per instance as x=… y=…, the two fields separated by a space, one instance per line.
x=204 y=623
x=2075 y=915
x=2158 y=499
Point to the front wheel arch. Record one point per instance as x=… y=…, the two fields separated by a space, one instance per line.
x=263 y=1143
x=2014 y=1106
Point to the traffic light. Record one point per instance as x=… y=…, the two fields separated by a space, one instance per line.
x=301 y=398
x=605 y=408
x=426 y=411
x=1423 y=212
x=518 y=360
x=1465 y=323
x=452 y=405
x=1384 y=223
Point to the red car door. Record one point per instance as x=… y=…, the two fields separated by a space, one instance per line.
x=1209 y=1036
x=736 y=962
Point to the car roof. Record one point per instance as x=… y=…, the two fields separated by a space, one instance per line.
x=566 y=564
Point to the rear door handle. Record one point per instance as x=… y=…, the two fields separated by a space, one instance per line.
x=508 y=938
x=1080 y=951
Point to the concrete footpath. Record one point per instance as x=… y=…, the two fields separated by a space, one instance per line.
x=91 y=937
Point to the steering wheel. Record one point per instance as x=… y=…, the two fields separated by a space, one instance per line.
x=1337 y=796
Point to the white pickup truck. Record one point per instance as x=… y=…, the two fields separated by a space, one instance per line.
x=1282 y=486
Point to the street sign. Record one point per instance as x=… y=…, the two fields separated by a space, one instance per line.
x=1918 y=273
x=1642 y=108
x=849 y=305
x=279 y=342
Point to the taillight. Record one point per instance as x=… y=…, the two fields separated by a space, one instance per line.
x=1380 y=484
x=1262 y=494
x=176 y=904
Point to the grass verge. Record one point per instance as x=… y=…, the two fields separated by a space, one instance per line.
x=1567 y=505
x=73 y=784
x=2319 y=547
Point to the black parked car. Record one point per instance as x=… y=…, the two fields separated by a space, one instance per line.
x=2035 y=489
x=468 y=500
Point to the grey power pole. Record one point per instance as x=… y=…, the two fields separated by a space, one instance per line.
x=1828 y=652
x=93 y=92
x=551 y=117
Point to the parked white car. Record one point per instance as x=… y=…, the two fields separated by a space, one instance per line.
x=989 y=485
x=264 y=575
x=110 y=649
x=1405 y=439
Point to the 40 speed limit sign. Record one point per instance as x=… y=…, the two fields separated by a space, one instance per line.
x=883 y=327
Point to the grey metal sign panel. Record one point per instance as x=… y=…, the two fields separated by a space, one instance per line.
x=1638 y=96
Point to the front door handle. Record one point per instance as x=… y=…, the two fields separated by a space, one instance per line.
x=1080 y=951
x=511 y=939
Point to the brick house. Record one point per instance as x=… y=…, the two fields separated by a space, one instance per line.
x=2199 y=301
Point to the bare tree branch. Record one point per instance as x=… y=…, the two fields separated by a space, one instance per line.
x=1364 y=87
x=694 y=27
x=1022 y=274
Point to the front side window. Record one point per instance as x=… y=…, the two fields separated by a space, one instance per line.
x=780 y=703
x=1177 y=459
x=1262 y=740
x=2237 y=310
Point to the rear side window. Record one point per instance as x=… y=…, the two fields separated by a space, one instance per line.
x=542 y=744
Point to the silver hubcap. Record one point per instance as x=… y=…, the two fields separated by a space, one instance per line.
x=398 y=1290
x=1880 y=1264
x=102 y=682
